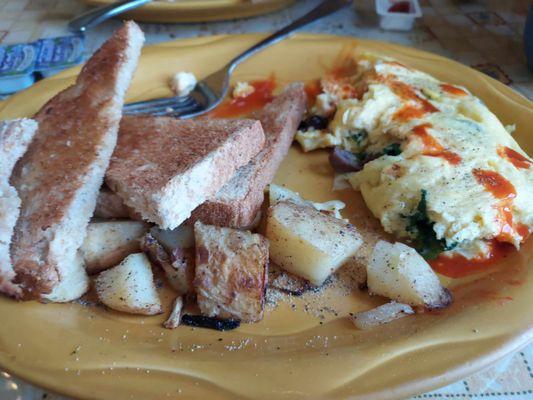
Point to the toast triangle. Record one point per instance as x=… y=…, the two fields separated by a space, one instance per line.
x=59 y=177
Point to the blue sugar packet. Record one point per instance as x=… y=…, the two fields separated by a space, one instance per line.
x=17 y=64
x=56 y=54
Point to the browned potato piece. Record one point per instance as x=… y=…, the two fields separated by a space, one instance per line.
x=231 y=272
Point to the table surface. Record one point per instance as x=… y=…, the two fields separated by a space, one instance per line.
x=484 y=34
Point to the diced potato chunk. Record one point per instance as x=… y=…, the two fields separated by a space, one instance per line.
x=231 y=272
x=129 y=287
x=398 y=272
x=381 y=315
x=309 y=243
x=107 y=243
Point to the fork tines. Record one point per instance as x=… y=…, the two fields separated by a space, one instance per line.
x=173 y=106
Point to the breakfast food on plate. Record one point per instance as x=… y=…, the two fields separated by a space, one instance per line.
x=129 y=287
x=59 y=177
x=239 y=201
x=431 y=161
x=381 y=315
x=309 y=243
x=398 y=272
x=231 y=272
x=164 y=168
x=15 y=136
x=177 y=262
x=109 y=242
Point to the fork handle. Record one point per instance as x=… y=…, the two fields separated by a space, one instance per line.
x=327 y=7
x=100 y=14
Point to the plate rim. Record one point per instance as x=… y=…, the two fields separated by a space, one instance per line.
x=199 y=10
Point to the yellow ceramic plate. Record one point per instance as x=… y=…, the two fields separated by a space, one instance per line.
x=199 y=10
x=89 y=352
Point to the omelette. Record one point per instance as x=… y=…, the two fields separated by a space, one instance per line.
x=432 y=162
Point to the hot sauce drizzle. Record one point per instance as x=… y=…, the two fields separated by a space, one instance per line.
x=458 y=266
x=406 y=92
x=238 y=107
x=496 y=184
x=432 y=147
x=514 y=157
x=505 y=192
x=343 y=69
x=312 y=89
x=408 y=112
x=452 y=89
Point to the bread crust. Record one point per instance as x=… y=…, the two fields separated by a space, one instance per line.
x=163 y=168
x=238 y=202
x=15 y=137
x=59 y=177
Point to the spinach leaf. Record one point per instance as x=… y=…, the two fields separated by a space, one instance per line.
x=421 y=227
x=359 y=136
x=393 y=149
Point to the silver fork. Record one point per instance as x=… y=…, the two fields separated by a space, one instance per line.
x=210 y=91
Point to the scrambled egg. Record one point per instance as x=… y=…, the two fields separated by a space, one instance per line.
x=457 y=180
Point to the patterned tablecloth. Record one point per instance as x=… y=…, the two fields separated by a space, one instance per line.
x=485 y=34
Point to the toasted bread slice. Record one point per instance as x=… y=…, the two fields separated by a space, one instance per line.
x=59 y=177
x=238 y=202
x=164 y=168
x=231 y=272
x=15 y=136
